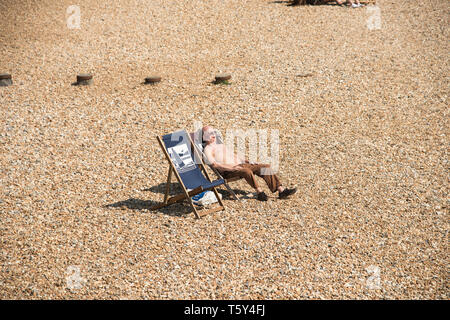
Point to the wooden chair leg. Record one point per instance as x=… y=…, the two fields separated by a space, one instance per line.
x=159 y=206
x=193 y=207
x=205 y=212
x=177 y=198
x=217 y=197
x=169 y=176
x=232 y=192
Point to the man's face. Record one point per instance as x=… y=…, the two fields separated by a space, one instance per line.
x=209 y=135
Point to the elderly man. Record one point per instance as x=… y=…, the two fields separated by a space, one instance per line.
x=230 y=165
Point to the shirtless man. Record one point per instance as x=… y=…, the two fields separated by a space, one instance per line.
x=230 y=165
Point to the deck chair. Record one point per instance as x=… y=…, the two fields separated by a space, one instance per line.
x=197 y=138
x=186 y=164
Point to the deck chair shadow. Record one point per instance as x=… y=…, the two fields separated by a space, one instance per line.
x=197 y=138
x=187 y=165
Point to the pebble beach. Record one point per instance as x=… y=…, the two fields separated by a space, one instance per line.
x=358 y=96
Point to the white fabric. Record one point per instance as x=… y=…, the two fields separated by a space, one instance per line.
x=208 y=198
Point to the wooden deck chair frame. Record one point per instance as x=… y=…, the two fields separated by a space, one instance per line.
x=227 y=181
x=186 y=195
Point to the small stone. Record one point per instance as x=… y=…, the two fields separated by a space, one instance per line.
x=84 y=79
x=5 y=79
x=152 y=79
x=222 y=78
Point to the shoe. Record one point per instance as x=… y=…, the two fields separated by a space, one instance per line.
x=262 y=196
x=286 y=193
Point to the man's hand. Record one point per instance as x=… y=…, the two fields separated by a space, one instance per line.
x=224 y=167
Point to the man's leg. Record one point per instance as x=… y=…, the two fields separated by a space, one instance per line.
x=248 y=172
x=245 y=173
x=265 y=171
x=249 y=176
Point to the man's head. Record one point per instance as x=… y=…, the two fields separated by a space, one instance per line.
x=209 y=134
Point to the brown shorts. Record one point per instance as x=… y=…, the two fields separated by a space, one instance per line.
x=248 y=172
